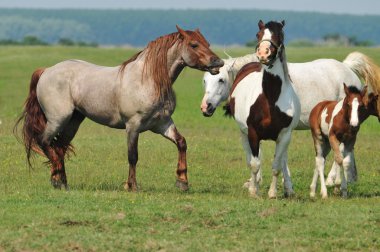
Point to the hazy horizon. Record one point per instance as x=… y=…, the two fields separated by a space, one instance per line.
x=363 y=7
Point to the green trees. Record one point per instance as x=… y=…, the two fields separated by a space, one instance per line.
x=138 y=27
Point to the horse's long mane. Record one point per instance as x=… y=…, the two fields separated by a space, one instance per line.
x=285 y=64
x=155 y=63
x=366 y=69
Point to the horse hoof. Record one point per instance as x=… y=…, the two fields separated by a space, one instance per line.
x=336 y=190
x=130 y=187
x=329 y=182
x=344 y=194
x=272 y=195
x=254 y=195
x=289 y=194
x=182 y=185
x=246 y=184
x=57 y=184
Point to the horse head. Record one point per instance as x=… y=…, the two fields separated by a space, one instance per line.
x=354 y=106
x=196 y=52
x=217 y=88
x=270 y=41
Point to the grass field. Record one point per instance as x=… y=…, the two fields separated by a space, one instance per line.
x=215 y=215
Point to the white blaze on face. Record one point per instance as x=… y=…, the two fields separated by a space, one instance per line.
x=354 y=120
x=267 y=35
x=204 y=103
x=263 y=51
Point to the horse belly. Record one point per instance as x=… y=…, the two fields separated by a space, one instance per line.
x=100 y=105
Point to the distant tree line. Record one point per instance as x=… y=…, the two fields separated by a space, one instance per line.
x=138 y=27
x=33 y=41
x=332 y=39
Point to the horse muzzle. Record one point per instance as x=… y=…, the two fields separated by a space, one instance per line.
x=209 y=110
x=213 y=67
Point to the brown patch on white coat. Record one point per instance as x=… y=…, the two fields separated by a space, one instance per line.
x=273 y=106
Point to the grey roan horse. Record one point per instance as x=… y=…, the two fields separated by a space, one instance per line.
x=136 y=96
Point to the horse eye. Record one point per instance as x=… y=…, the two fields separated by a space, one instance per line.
x=194 y=45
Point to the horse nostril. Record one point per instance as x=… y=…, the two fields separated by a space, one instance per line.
x=216 y=61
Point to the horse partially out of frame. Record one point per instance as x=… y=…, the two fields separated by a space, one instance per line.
x=334 y=125
x=136 y=96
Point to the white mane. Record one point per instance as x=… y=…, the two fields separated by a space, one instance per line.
x=233 y=65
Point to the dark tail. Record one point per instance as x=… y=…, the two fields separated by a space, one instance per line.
x=34 y=119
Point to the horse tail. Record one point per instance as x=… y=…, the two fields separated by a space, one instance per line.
x=367 y=70
x=34 y=119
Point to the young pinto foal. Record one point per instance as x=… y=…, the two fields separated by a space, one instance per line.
x=335 y=125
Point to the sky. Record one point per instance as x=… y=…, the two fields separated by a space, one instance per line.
x=362 y=7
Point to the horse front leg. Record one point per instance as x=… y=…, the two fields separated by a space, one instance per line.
x=331 y=177
x=251 y=146
x=322 y=149
x=169 y=131
x=132 y=139
x=347 y=163
x=288 y=187
x=282 y=145
x=352 y=174
x=338 y=159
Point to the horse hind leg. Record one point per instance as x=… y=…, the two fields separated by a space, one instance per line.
x=56 y=144
x=282 y=145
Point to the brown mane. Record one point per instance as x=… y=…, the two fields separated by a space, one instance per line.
x=156 y=63
x=156 y=60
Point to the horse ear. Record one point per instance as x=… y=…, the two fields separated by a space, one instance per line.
x=283 y=23
x=346 y=89
x=182 y=32
x=261 y=24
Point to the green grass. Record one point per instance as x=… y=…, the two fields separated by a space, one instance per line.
x=215 y=215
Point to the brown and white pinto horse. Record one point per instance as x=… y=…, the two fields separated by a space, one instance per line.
x=335 y=124
x=265 y=106
x=136 y=96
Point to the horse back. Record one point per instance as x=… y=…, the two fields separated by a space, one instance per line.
x=244 y=71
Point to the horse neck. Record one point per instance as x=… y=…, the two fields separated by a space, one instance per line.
x=233 y=65
x=280 y=67
x=175 y=64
